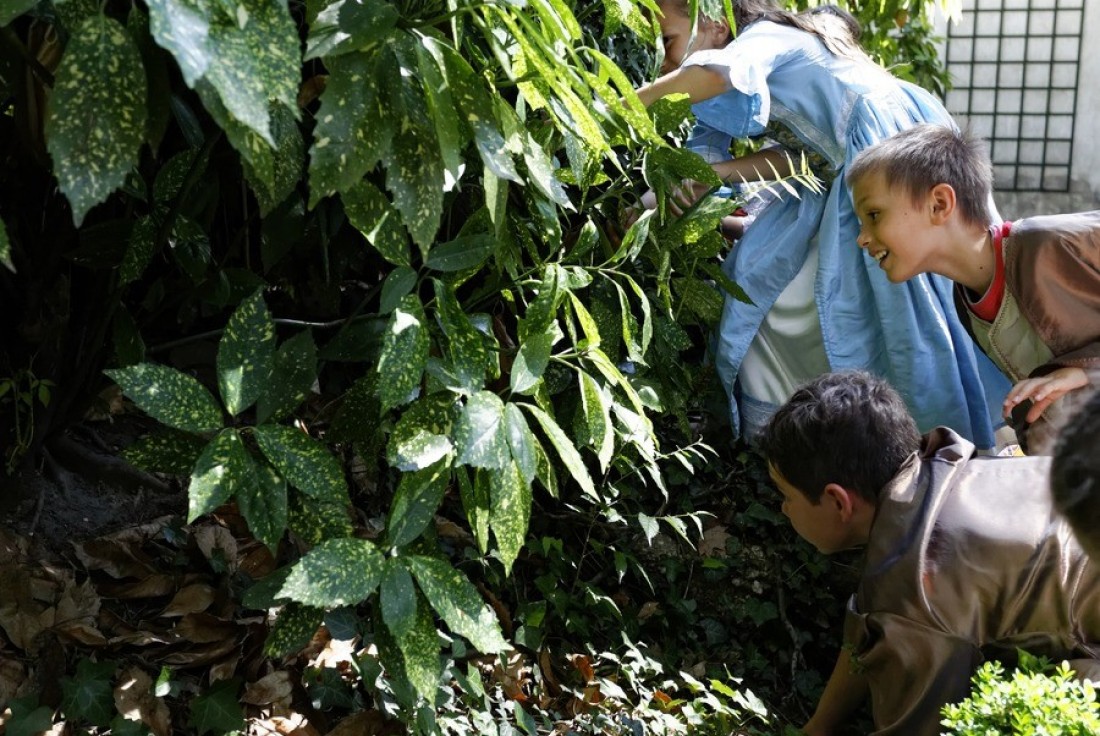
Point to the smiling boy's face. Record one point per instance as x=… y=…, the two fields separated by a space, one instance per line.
x=893 y=227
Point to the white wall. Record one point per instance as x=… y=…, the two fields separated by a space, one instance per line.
x=1084 y=189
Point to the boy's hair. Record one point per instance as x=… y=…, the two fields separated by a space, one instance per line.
x=849 y=428
x=1075 y=475
x=925 y=155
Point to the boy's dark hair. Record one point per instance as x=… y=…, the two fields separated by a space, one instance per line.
x=1075 y=475
x=849 y=428
x=925 y=155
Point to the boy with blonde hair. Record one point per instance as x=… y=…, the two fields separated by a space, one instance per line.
x=1027 y=291
x=966 y=558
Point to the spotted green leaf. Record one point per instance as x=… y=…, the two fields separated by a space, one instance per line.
x=95 y=122
x=397 y=597
x=532 y=358
x=273 y=184
x=475 y=502
x=247 y=51
x=354 y=125
x=244 y=353
x=258 y=156
x=139 y=250
x=337 y=572
x=511 y=511
x=293 y=371
x=479 y=434
x=304 y=462
x=12 y=9
x=166 y=451
x=457 y=601
x=314 y=521
x=170 y=397
x=566 y=450
x=422 y=434
x=702 y=300
x=540 y=170
x=464 y=252
x=470 y=355
x=261 y=496
x=357 y=418
x=218 y=473
x=5 y=246
x=452 y=134
x=349 y=25
x=521 y=441
x=294 y=627
x=404 y=353
x=370 y=212
x=413 y=163
x=414 y=505
x=418 y=643
x=158 y=82
x=597 y=419
x=400 y=282
x=592 y=337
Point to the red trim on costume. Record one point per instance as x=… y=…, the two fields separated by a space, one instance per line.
x=987 y=307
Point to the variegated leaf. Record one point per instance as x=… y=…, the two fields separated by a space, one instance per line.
x=522 y=442
x=451 y=133
x=457 y=601
x=293 y=372
x=370 y=212
x=419 y=645
x=95 y=123
x=400 y=282
x=414 y=505
x=597 y=418
x=220 y=470
x=404 y=354
x=464 y=252
x=261 y=496
x=244 y=353
x=139 y=250
x=247 y=50
x=337 y=572
x=357 y=418
x=414 y=166
x=273 y=184
x=354 y=125
x=511 y=511
x=166 y=451
x=479 y=434
x=422 y=434
x=397 y=597
x=12 y=9
x=532 y=358
x=475 y=502
x=470 y=355
x=349 y=25
x=304 y=462
x=5 y=247
x=171 y=397
x=566 y=450
x=294 y=627
x=314 y=521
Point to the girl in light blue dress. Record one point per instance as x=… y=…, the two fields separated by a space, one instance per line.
x=818 y=303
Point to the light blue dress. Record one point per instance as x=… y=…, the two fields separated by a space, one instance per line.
x=908 y=333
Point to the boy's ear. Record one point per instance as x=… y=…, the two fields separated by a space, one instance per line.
x=841 y=500
x=941 y=200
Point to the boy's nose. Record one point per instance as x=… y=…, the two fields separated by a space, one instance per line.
x=863 y=240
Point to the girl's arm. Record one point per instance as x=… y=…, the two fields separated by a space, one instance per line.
x=763 y=165
x=698 y=82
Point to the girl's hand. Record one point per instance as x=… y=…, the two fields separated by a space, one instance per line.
x=1045 y=390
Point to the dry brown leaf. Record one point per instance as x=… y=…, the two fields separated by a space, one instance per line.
x=256 y=560
x=202 y=628
x=273 y=689
x=365 y=723
x=82 y=632
x=336 y=653
x=12 y=676
x=583 y=665
x=648 y=609
x=153 y=586
x=215 y=540
x=193 y=598
x=546 y=665
x=200 y=655
x=117 y=558
x=18 y=611
x=713 y=543
x=513 y=675
x=293 y=725
x=135 y=700
x=226 y=668
x=13 y=548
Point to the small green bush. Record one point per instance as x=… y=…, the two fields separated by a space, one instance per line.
x=1030 y=702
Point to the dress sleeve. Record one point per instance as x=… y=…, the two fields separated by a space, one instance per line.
x=712 y=144
x=743 y=111
x=913 y=670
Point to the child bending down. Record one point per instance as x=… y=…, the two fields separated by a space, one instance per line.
x=1027 y=291
x=966 y=558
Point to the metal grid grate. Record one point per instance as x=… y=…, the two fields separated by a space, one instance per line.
x=1015 y=69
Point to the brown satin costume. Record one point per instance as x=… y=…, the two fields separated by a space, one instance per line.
x=1052 y=300
x=967 y=560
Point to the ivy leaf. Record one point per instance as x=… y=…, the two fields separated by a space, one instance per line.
x=170 y=397
x=422 y=434
x=566 y=450
x=306 y=463
x=511 y=511
x=293 y=372
x=167 y=451
x=354 y=123
x=293 y=629
x=261 y=495
x=27 y=717
x=404 y=353
x=5 y=246
x=217 y=709
x=337 y=572
x=418 y=642
x=223 y=465
x=458 y=602
x=88 y=696
x=597 y=417
x=522 y=442
x=248 y=52
x=414 y=166
x=414 y=505
x=370 y=212
x=122 y=726
x=479 y=434
x=244 y=353
x=96 y=119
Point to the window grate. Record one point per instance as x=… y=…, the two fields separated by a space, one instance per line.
x=1015 y=66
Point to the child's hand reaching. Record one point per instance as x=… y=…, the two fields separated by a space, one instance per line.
x=1045 y=390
